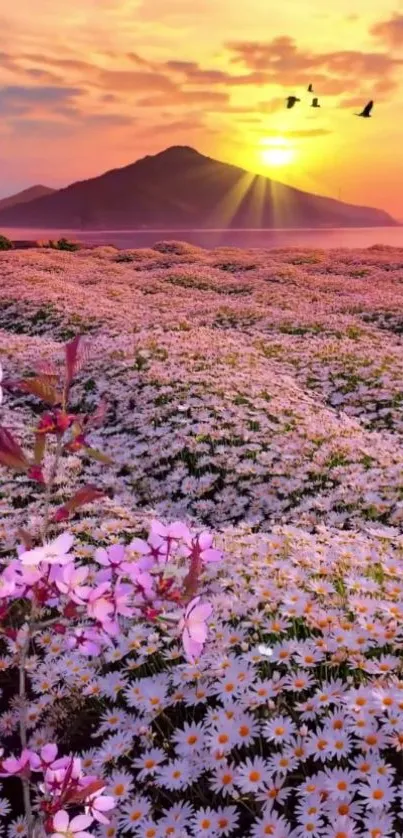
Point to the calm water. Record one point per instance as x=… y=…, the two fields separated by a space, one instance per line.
x=316 y=238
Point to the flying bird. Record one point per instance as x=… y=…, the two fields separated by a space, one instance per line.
x=310 y=89
x=315 y=103
x=291 y=100
x=366 y=113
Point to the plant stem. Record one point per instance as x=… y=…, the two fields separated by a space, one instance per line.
x=49 y=487
x=23 y=735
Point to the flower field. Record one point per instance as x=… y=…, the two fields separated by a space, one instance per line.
x=251 y=428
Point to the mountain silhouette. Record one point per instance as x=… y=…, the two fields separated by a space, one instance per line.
x=25 y=196
x=179 y=188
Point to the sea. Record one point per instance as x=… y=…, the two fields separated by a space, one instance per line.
x=328 y=238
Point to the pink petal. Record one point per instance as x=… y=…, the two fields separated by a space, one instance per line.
x=205 y=540
x=104 y=803
x=61 y=820
x=212 y=555
x=49 y=753
x=178 y=530
x=80 y=822
x=192 y=604
x=101 y=556
x=32 y=557
x=191 y=648
x=63 y=543
x=198 y=632
x=200 y=613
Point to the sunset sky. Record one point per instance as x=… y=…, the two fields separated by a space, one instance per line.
x=90 y=85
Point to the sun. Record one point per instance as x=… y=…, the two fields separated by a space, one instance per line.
x=277 y=151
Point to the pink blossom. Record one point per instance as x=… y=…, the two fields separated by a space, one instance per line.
x=7 y=583
x=143 y=580
x=68 y=579
x=48 y=753
x=100 y=606
x=201 y=546
x=88 y=641
x=193 y=627
x=75 y=828
x=98 y=803
x=110 y=558
x=17 y=765
x=54 y=552
x=161 y=538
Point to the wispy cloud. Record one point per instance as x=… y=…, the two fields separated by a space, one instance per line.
x=389 y=31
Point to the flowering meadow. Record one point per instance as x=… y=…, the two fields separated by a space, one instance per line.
x=201 y=497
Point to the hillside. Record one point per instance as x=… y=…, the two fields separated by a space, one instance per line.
x=30 y=194
x=180 y=188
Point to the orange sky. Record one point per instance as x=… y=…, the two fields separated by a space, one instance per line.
x=90 y=85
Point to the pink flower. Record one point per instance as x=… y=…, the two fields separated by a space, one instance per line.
x=68 y=580
x=87 y=641
x=66 y=828
x=55 y=552
x=121 y=598
x=100 y=606
x=47 y=757
x=7 y=582
x=193 y=627
x=98 y=803
x=161 y=538
x=19 y=765
x=143 y=580
x=201 y=546
x=112 y=557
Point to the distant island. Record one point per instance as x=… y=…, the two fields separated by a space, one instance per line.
x=179 y=188
x=25 y=196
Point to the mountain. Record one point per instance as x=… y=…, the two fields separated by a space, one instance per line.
x=26 y=195
x=182 y=189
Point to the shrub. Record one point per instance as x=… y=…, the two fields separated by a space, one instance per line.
x=64 y=244
x=5 y=243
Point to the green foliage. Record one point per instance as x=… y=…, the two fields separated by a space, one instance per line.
x=64 y=244
x=5 y=243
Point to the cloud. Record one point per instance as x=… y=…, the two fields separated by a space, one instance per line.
x=38 y=95
x=389 y=31
x=175 y=126
x=210 y=98
x=19 y=99
x=42 y=75
x=282 y=62
x=135 y=80
x=45 y=128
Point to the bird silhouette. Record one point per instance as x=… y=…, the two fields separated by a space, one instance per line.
x=366 y=113
x=315 y=103
x=291 y=100
x=310 y=89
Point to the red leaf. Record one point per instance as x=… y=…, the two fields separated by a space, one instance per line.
x=71 y=350
x=82 y=794
x=98 y=455
x=77 y=353
x=47 y=369
x=96 y=419
x=83 y=496
x=36 y=386
x=42 y=388
x=36 y=473
x=11 y=453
